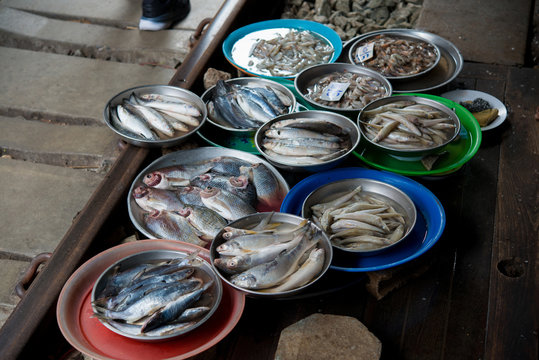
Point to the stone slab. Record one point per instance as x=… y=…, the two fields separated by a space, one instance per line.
x=38 y=203
x=114 y=12
x=57 y=144
x=12 y=271
x=492 y=32
x=66 y=88
x=25 y=30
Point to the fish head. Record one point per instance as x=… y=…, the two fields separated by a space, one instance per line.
x=153 y=179
x=239 y=182
x=235 y=262
x=209 y=192
x=190 y=189
x=245 y=280
x=185 y=212
x=140 y=192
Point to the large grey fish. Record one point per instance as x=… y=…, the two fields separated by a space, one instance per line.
x=228 y=205
x=156 y=199
x=227 y=165
x=132 y=122
x=173 y=309
x=152 y=117
x=274 y=100
x=169 y=225
x=168 y=103
x=274 y=272
x=239 y=186
x=268 y=190
x=146 y=305
x=205 y=220
x=190 y=195
x=307 y=271
x=173 y=176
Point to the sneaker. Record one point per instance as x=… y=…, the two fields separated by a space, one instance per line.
x=161 y=14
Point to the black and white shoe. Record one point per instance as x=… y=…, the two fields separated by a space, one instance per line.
x=161 y=14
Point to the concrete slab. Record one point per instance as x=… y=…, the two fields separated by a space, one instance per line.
x=120 y=13
x=38 y=203
x=33 y=32
x=12 y=272
x=484 y=31
x=58 y=144
x=66 y=88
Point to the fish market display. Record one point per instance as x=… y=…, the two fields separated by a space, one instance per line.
x=285 y=52
x=407 y=125
x=360 y=221
x=395 y=56
x=155 y=298
x=360 y=90
x=154 y=116
x=193 y=202
x=246 y=107
x=305 y=141
x=271 y=257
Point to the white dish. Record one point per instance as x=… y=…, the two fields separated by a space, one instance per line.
x=459 y=96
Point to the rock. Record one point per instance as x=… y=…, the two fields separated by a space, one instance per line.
x=321 y=19
x=340 y=32
x=322 y=7
x=373 y=4
x=295 y=2
x=380 y=15
x=328 y=337
x=340 y=21
x=211 y=76
x=342 y=5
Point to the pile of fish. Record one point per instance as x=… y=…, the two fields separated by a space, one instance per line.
x=154 y=116
x=154 y=299
x=359 y=221
x=245 y=107
x=271 y=257
x=193 y=202
x=305 y=141
x=289 y=54
x=362 y=90
x=397 y=57
x=407 y=125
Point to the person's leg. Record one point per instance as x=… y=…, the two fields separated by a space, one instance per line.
x=161 y=14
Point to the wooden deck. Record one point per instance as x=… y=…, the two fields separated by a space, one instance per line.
x=476 y=300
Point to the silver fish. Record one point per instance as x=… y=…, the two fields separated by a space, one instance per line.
x=205 y=220
x=267 y=188
x=169 y=225
x=228 y=205
x=152 y=117
x=156 y=199
x=133 y=123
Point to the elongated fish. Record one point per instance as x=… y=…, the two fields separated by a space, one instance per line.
x=228 y=205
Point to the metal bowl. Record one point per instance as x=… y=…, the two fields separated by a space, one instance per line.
x=334 y=118
x=313 y=74
x=211 y=297
x=155 y=89
x=410 y=153
x=247 y=82
x=185 y=157
x=397 y=33
x=250 y=221
x=378 y=189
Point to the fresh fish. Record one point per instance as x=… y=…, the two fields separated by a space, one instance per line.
x=145 y=306
x=205 y=220
x=243 y=188
x=173 y=309
x=182 y=118
x=169 y=225
x=307 y=271
x=212 y=180
x=156 y=199
x=270 y=274
x=279 y=102
x=121 y=278
x=133 y=123
x=268 y=190
x=255 y=104
x=174 y=176
x=168 y=103
x=190 y=195
x=225 y=204
x=134 y=330
x=152 y=117
x=229 y=166
x=292 y=133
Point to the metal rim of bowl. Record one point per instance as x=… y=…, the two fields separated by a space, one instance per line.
x=206 y=268
x=400 y=34
x=336 y=67
x=124 y=94
x=411 y=204
x=420 y=100
x=267 y=295
x=259 y=137
x=208 y=95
